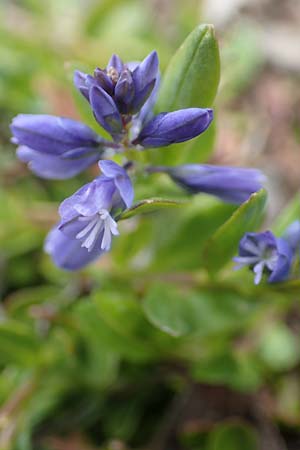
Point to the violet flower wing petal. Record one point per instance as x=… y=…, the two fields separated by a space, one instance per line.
x=88 y=199
x=125 y=189
x=121 y=180
x=124 y=92
x=111 y=169
x=52 y=166
x=105 y=110
x=115 y=62
x=146 y=110
x=67 y=253
x=102 y=79
x=51 y=134
x=80 y=82
x=284 y=262
x=174 y=127
x=141 y=97
x=144 y=77
x=145 y=72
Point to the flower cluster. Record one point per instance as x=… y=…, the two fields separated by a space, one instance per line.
x=266 y=254
x=87 y=218
x=121 y=97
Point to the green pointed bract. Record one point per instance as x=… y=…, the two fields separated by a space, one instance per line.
x=193 y=74
x=191 y=80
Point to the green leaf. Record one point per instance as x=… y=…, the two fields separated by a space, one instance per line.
x=149 y=205
x=178 y=239
x=18 y=343
x=223 y=245
x=279 y=348
x=191 y=80
x=180 y=313
x=96 y=14
x=167 y=310
x=121 y=312
x=192 y=76
x=103 y=332
x=242 y=59
x=239 y=371
x=233 y=436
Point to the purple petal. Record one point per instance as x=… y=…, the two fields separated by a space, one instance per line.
x=55 y=167
x=284 y=262
x=80 y=82
x=111 y=169
x=147 y=108
x=265 y=253
x=115 y=62
x=104 y=80
x=105 y=110
x=178 y=126
x=72 y=227
x=125 y=189
x=141 y=97
x=124 y=91
x=292 y=235
x=230 y=184
x=121 y=180
x=146 y=71
x=89 y=199
x=144 y=77
x=51 y=134
x=252 y=244
x=67 y=253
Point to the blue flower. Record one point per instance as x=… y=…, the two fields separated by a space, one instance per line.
x=264 y=253
x=129 y=85
x=88 y=218
x=230 y=184
x=121 y=97
x=174 y=127
x=56 y=147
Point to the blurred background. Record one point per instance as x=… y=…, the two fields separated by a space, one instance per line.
x=81 y=367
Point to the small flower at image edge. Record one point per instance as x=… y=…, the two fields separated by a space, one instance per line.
x=88 y=218
x=264 y=253
x=292 y=236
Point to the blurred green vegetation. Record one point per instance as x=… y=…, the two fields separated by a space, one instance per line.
x=113 y=357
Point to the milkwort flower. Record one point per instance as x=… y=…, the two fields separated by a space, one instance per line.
x=121 y=97
x=128 y=85
x=230 y=184
x=56 y=147
x=88 y=218
x=264 y=253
